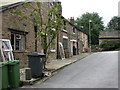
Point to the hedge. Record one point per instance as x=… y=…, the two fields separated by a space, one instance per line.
x=110 y=45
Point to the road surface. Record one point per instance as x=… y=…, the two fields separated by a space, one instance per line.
x=99 y=70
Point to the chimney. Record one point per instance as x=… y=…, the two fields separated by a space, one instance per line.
x=72 y=20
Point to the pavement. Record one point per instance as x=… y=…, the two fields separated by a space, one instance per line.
x=58 y=64
x=99 y=70
x=53 y=66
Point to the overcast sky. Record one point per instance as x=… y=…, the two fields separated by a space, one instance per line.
x=105 y=8
x=75 y=8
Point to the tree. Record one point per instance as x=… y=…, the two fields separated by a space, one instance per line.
x=47 y=30
x=114 y=23
x=96 y=25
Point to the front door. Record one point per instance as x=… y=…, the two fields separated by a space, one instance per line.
x=71 y=47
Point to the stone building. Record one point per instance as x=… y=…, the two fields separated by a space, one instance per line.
x=70 y=41
x=73 y=39
x=109 y=35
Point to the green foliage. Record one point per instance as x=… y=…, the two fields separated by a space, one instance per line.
x=96 y=25
x=114 y=24
x=18 y=12
x=110 y=45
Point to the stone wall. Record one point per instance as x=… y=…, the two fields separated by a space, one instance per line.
x=109 y=35
x=78 y=37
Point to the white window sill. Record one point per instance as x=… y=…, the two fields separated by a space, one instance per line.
x=65 y=37
x=64 y=30
x=53 y=51
x=20 y=51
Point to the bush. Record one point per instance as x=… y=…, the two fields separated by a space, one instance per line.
x=110 y=45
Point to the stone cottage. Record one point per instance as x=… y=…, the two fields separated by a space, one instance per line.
x=70 y=41
x=73 y=39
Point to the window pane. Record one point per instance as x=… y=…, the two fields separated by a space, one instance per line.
x=20 y=42
x=17 y=44
x=52 y=47
x=12 y=40
x=6 y=55
x=65 y=43
x=6 y=45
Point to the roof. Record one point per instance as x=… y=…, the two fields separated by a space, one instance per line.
x=74 y=25
x=6 y=7
x=109 y=34
x=11 y=4
x=8 y=2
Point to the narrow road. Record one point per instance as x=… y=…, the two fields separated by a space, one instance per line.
x=99 y=70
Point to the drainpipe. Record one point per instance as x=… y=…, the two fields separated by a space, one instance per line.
x=35 y=29
x=58 y=46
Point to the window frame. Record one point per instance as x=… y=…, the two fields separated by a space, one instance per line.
x=52 y=47
x=65 y=45
x=21 y=42
x=74 y=30
x=18 y=32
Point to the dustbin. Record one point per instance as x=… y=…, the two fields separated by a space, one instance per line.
x=14 y=74
x=4 y=75
x=36 y=64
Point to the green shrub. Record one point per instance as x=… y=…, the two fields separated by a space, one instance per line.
x=110 y=45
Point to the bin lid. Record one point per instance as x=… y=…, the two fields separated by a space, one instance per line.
x=3 y=64
x=13 y=62
x=36 y=54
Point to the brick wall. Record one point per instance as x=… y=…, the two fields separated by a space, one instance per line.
x=12 y=21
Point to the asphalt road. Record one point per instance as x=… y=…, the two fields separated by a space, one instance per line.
x=99 y=70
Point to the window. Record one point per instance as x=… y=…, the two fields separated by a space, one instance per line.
x=64 y=30
x=52 y=46
x=17 y=41
x=52 y=14
x=64 y=23
x=65 y=43
x=51 y=4
x=73 y=30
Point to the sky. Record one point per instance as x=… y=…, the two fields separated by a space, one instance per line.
x=75 y=8
x=105 y=8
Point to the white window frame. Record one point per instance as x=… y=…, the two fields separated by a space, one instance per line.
x=14 y=46
x=65 y=37
x=8 y=51
x=65 y=30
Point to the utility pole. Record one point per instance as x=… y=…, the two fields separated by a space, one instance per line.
x=90 y=35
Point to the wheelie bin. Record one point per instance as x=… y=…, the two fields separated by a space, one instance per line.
x=4 y=82
x=14 y=73
x=36 y=64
